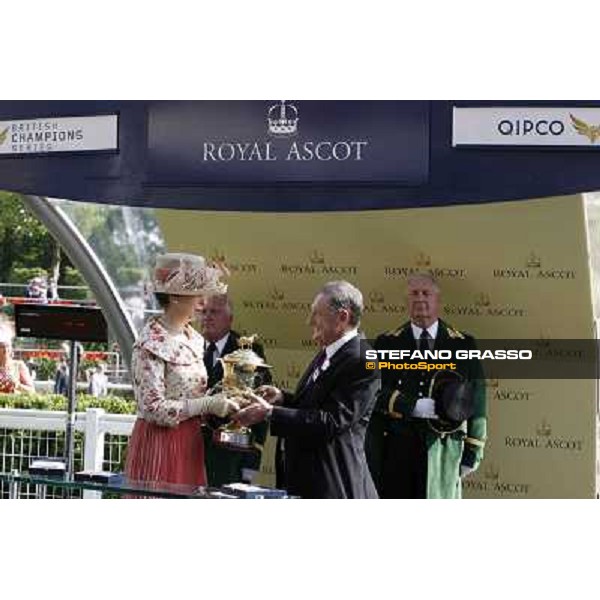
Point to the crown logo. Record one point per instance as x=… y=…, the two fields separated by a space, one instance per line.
x=3 y=136
x=492 y=472
x=283 y=119
x=423 y=260
x=218 y=256
x=293 y=370
x=544 y=429
x=277 y=294
x=376 y=297
x=533 y=261
x=483 y=300
x=317 y=258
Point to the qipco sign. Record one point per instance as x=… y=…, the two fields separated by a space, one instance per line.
x=513 y=127
x=526 y=126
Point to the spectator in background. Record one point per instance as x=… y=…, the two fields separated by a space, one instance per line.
x=98 y=382
x=61 y=380
x=14 y=374
x=37 y=289
x=32 y=369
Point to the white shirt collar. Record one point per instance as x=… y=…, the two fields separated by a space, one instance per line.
x=335 y=346
x=432 y=330
x=220 y=344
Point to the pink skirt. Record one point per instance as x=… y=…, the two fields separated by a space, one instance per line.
x=166 y=454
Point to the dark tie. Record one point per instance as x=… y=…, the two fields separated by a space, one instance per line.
x=209 y=359
x=425 y=341
x=318 y=364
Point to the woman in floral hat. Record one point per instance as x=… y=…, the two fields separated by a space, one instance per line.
x=169 y=377
x=14 y=374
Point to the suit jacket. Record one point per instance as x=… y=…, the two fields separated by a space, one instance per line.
x=324 y=424
x=224 y=465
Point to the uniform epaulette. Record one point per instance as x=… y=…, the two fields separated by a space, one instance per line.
x=455 y=333
x=398 y=331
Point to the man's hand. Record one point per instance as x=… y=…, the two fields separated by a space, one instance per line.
x=255 y=413
x=270 y=393
x=465 y=471
x=425 y=409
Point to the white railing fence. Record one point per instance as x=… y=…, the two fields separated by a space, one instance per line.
x=100 y=440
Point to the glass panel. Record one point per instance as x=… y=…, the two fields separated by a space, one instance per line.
x=126 y=240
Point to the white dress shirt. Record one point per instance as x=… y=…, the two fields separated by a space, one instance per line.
x=220 y=345
x=431 y=330
x=333 y=348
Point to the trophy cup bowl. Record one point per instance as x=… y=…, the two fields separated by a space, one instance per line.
x=239 y=377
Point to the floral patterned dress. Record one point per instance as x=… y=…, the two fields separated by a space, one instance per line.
x=11 y=375
x=166 y=444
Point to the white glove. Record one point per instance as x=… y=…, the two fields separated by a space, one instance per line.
x=464 y=470
x=425 y=409
x=219 y=404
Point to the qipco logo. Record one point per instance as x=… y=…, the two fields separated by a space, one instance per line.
x=524 y=127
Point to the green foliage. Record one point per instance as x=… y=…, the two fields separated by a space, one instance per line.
x=72 y=276
x=124 y=239
x=111 y=404
x=24 y=241
x=130 y=275
x=45 y=369
x=24 y=274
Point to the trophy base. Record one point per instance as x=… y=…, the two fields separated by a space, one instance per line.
x=234 y=439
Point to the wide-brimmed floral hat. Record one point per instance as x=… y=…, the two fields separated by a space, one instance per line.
x=187 y=275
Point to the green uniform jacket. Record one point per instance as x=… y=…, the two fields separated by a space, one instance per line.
x=222 y=464
x=399 y=393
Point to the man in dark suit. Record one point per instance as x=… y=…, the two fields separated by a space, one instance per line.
x=224 y=465
x=412 y=453
x=324 y=422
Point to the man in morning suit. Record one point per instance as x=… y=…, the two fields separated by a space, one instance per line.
x=324 y=421
x=224 y=465
x=410 y=455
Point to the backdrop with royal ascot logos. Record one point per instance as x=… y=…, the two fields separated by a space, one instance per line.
x=507 y=270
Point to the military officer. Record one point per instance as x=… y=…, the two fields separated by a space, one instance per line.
x=412 y=452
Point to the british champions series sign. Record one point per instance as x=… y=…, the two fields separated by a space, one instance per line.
x=59 y=134
x=304 y=141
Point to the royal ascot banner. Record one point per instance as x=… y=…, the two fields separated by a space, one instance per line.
x=254 y=142
x=298 y=155
x=513 y=270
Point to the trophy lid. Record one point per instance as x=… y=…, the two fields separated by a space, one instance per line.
x=245 y=356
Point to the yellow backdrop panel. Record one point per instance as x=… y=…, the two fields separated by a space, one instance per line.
x=507 y=270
